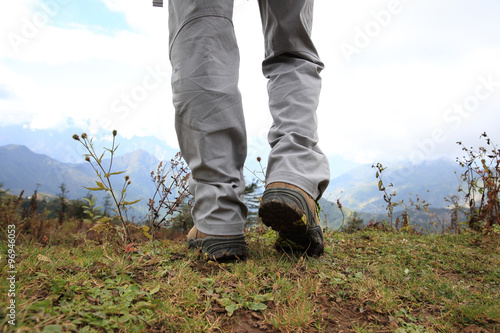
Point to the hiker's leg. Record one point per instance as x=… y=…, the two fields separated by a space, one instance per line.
x=292 y=66
x=208 y=112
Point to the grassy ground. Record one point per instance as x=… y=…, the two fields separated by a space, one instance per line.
x=369 y=281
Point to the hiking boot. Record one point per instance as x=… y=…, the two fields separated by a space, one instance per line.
x=218 y=248
x=291 y=212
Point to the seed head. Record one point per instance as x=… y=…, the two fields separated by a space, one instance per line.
x=87 y=158
x=258 y=159
x=115 y=132
x=127 y=177
x=76 y=137
x=84 y=136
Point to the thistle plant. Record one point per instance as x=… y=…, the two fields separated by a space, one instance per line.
x=482 y=184
x=260 y=175
x=381 y=187
x=389 y=197
x=103 y=183
x=171 y=183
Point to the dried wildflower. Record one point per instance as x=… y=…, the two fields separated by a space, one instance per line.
x=258 y=159
x=115 y=132
x=76 y=137
x=127 y=177
x=84 y=136
x=87 y=158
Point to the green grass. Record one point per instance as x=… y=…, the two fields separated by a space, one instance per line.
x=369 y=281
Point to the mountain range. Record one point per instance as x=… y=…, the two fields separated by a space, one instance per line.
x=431 y=180
x=21 y=169
x=357 y=190
x=58 y=144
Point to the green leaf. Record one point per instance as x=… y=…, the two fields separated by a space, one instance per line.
x=126 y=203
x=155 y=290
x=113 y=173
x=85 y=329
x=143 y=304
x=231 y=308
x=94 y=188
x=135 y=288
x=101 y=185
x=105 y=219
x=52 y=328
x=100 y=158
x=254 y=306
x=124 y=318
x=263 y=298
x=145 y=232
x=225 y=301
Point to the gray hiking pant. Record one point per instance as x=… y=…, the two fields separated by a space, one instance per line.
x=208 y=110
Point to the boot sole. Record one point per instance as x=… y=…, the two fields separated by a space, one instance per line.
x=287 y=212
x=220 y=248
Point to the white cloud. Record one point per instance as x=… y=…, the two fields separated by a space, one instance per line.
x=386 y=101
x=90 y=90
x=391 y=96
x=56 y=46
x=142 y=16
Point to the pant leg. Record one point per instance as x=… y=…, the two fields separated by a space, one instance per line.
x=292 y=66
x=208 y=111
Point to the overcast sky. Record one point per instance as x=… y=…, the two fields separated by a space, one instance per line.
x=404 y=80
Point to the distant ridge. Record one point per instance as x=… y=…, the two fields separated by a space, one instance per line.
x=21 y=169
x=58 y=143
x=431 y=180
x=357 y=190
